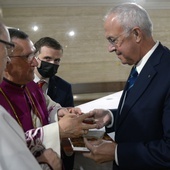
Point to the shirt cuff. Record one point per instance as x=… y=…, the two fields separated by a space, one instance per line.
x=111 y=121
x=116 y=158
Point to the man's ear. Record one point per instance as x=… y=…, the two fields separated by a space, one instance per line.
x=8 y=60
x=7 y=64
x=137 y=34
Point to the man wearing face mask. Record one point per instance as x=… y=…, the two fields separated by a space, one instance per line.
x=49 y=53
x=47 y=69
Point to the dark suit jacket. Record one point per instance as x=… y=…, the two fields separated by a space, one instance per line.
x=142 y=130
x=60 y=91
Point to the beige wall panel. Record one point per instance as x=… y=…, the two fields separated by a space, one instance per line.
x=86 y=58
x=95 y=72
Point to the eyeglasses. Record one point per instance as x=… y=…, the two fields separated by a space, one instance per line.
x=9 y=46
x=115 y=41
x=28 y=58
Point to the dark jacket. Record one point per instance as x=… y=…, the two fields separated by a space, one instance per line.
x=142 y=130
x=60 y=91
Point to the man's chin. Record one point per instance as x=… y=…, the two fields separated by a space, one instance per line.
x=123 y=61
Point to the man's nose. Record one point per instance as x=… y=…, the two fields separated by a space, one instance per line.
x=111 y=48
x=34 y=62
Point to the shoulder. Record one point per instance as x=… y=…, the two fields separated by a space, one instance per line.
x=33 y=85
x=165 y=50
x=34 y=89
x=59 y=80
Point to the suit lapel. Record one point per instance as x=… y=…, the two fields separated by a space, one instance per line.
x=144 y=79
x=52 y=90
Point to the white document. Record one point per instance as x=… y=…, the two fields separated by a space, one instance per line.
x=107 y=102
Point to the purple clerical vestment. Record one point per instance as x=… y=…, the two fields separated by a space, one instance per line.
x=19 y=101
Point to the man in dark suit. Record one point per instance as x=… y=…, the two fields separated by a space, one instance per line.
x=49 y=53
x=142 y=120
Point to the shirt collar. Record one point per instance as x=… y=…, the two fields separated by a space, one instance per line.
x=37 y=79
x=143 y=61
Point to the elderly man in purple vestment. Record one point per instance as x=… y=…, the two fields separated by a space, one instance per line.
x=25 y=101
x=15 y=155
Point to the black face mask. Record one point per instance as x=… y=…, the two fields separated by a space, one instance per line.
x=47 y=69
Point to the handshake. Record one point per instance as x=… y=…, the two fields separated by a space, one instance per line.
x=73 y=123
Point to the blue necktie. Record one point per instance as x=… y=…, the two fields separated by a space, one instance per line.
x=131 y=81
x=132 y=78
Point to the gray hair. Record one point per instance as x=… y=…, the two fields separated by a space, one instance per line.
x=131 y=15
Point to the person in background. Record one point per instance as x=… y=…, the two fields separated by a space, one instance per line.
x=49 y=53
x=14 y=153
x=141 y=122
x=25 y=101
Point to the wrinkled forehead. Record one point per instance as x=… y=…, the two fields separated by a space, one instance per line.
x=23 y=46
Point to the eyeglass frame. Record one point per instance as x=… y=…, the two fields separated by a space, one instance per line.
x=114 y=41
x=9 y=46
x=28 y=58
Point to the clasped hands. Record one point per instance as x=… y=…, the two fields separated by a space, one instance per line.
x=71 y=122
x=74 y=123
